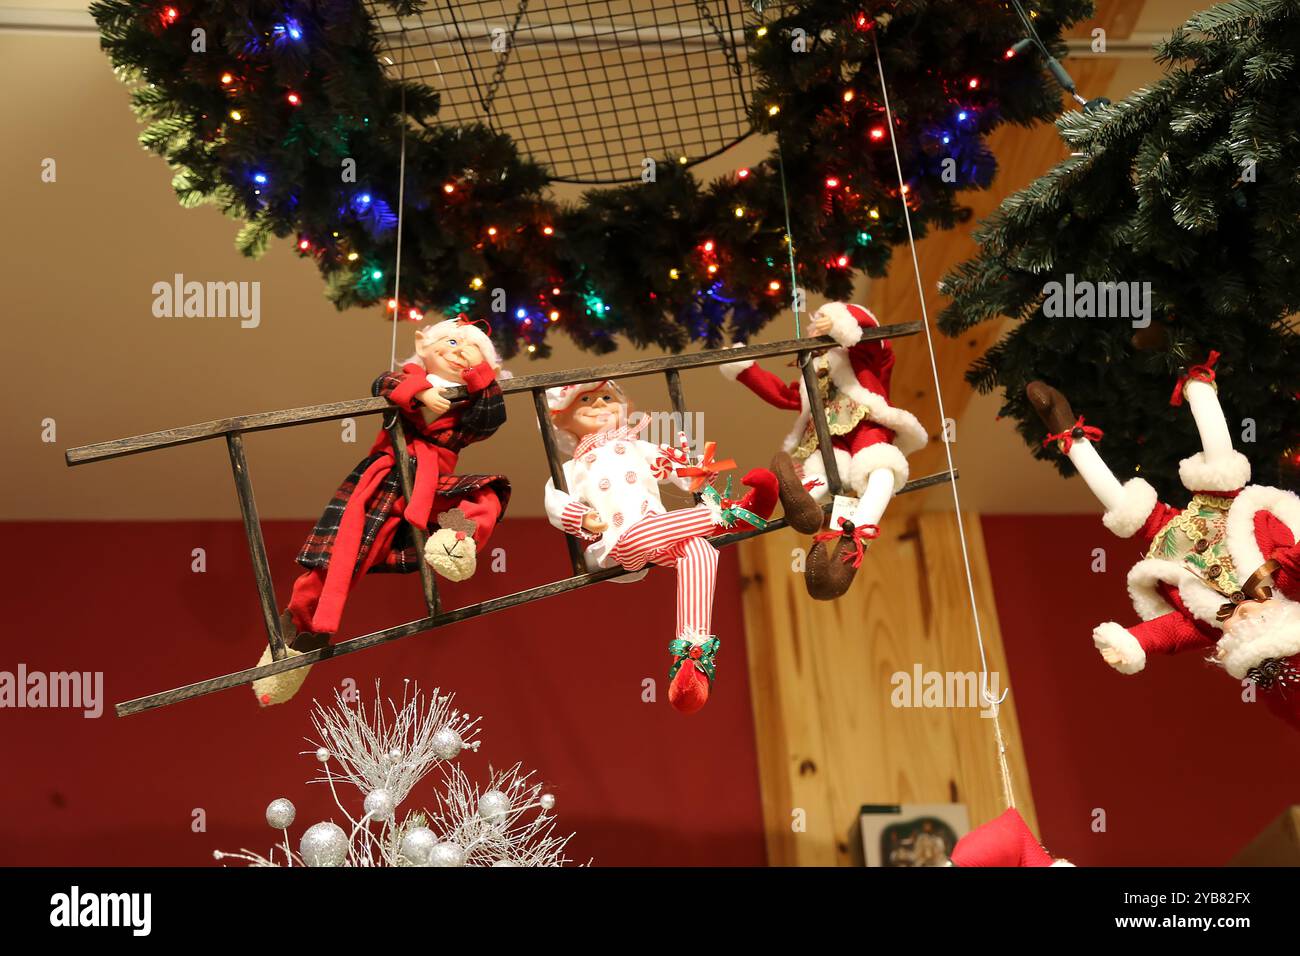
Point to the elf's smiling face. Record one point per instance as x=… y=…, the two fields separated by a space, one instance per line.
x=448 y=356
x=593 y=412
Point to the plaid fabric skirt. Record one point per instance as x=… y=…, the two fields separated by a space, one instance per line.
x=403 y=557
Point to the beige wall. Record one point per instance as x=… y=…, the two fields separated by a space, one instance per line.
x=81 y=346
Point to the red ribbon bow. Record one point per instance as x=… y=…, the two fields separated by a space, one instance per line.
x=1067 y=437
x=1201 y=373
x=861 y=533
x=707 y=468
x=463 y=319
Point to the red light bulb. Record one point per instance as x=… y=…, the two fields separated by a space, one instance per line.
x=832 y=182
x=294 y=99
x=877 y=133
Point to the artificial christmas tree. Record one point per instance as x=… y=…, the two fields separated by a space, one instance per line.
x=1173 y=220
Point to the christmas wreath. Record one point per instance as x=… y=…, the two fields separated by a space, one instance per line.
x=281 y=113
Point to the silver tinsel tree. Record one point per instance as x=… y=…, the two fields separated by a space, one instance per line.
x=384 y=754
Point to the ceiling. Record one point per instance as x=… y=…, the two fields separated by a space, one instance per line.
x=82 y=348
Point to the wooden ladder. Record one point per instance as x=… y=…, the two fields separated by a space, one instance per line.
x=234 y=429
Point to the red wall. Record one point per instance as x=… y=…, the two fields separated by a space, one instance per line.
x=1186 y=772
x=558 y=684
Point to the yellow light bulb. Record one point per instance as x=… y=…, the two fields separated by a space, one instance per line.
x=773 y=110
x=740 y=212
x=476 y=283
x=762 y=32
x=674 y=274
x=874 y=214
x=352 y=257
x=236 y=115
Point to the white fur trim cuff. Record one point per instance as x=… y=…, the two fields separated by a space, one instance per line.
x=1111 y=636
x=732 y=370
x=872 y=457
x=1228 y=473
x=1127 y=518
x=1062 y=863
x=845 y=327
x=1243 y=545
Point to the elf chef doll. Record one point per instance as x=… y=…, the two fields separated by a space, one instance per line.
x=366 y=526
x=1223 y=573
x=613 y=503
x=871 y=439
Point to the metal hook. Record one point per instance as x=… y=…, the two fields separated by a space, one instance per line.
x=984 y=691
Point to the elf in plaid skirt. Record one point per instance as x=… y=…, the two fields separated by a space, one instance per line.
x=366 y=527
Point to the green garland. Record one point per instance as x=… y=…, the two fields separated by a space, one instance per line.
x=285 y=96
x=1189 y=186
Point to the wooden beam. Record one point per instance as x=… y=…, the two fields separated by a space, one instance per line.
x=285 y=418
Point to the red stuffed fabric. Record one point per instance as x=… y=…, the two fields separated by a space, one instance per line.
x=1003 y=841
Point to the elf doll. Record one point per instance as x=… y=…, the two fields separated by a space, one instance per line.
x=1221 y=574
x=1005 y=841
x=366 y=528
x=613 y=504
x=871 y=440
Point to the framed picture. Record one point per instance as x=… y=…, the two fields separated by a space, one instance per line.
x=911 y=834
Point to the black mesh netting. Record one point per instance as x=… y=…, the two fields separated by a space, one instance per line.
x=589 y=88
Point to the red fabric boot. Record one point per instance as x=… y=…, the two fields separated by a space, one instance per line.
x=691 y=676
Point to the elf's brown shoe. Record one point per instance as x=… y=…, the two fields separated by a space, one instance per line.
x=827 y=575
x=801 y=512
x=281 y=687
x=1052 y=407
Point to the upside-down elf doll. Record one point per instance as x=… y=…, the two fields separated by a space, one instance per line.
x=614 y=506
x=1219 y=575
x=367 y=526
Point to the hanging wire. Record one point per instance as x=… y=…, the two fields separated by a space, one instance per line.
x=994 y=703
x=401 y=212
x=789 y=237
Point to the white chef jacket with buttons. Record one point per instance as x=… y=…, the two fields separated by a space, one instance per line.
x=613 y=475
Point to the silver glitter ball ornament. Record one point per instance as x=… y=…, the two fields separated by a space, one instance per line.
x=417 y=845
x=447 y=743
x=547 y=801
x=447 y=854
x=494 y=806
x=379 y=804
x=394 y=754
x=505 y=863
x=324 y=844
x=322 y=754
x=280 y=813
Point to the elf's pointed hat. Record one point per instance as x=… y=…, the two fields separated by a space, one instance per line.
x=1003 y=841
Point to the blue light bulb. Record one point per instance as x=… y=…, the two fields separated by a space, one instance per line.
x=259 y=178
x=520 y=313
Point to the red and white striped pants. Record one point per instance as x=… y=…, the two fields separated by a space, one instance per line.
x=676 y=540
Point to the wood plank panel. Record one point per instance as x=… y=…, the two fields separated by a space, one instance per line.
x=822 y=677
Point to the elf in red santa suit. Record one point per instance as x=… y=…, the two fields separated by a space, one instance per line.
x=871 y=440
x=1221 y=574
x=366 y=528
x=613 y=504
